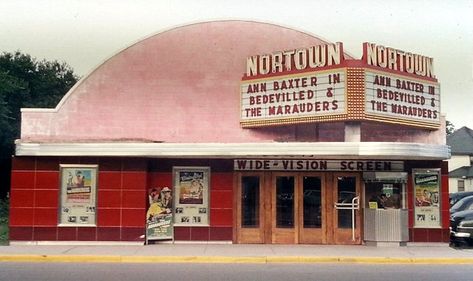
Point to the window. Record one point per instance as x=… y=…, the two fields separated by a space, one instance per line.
x=461 y=185
x=384 y=195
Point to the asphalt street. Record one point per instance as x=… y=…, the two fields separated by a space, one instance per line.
x=230 y=272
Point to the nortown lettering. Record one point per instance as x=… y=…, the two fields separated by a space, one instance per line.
x=298 y=59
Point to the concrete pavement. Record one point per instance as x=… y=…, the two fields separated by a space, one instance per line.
x=228 y=253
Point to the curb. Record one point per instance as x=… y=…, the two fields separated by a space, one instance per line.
x=227 y=259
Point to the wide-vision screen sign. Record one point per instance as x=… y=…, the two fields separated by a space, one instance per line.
x=401 y=98
x=316 y=165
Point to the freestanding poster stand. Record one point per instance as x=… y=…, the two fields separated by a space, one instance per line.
x=160 y=229
x=159 y=217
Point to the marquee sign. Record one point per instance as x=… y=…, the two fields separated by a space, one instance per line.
x=298 y=97
x=393 y=97
x=316 y=84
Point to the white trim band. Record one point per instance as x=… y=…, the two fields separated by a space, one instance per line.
x=326 y=150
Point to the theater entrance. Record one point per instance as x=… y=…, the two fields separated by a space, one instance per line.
x=297 y=208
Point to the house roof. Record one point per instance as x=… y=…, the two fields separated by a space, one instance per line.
x=461 y=141
x=465 y=171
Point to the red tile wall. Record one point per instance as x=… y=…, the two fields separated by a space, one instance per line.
x=44 y=233
x=159 y=179
x=132 y=233
x=221 y=200
x=109 y=180
x=21 y=198
x=184 y=233
x=22 y=179
x=67 y=233
x=221 y=233
x=121 y=199
x=109 y=217
x=445 y=202
x=107 y=199
x=108 y=234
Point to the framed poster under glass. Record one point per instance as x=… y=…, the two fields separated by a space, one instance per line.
x=191 y=196
x=427 y=191
x=78 y=195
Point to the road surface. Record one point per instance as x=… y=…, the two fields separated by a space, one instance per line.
x=230 y=272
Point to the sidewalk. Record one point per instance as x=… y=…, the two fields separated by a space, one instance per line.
x=227 y=253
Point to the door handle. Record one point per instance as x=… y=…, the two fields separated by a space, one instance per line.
x=354 y=205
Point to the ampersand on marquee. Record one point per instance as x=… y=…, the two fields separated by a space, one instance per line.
x=329 y=92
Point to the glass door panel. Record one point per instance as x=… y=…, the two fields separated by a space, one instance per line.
x=312 y=218
x=346 y=187
x=284 y=202
x=249 y=196
x=250 y=201
x=312 y=202
x=346 y=208
x=284 y=208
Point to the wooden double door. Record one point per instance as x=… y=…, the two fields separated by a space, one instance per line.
x=297 y=208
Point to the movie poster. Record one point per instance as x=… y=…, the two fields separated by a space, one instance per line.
x=427 y=198
x=191 y=185
x=159 y=216
x=78 y=195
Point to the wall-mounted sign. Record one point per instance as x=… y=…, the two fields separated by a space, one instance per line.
x=316 y=165
x=191 y=200
x=297 y=97
x=395 y=97
x=78 y=195
x=427 y=198
x=317 y=84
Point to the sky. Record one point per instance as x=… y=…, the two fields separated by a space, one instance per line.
x=85 y=33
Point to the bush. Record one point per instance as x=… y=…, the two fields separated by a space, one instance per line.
x=4 y=203
x=4 y=208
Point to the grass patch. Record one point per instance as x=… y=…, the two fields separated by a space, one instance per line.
x=4 y=203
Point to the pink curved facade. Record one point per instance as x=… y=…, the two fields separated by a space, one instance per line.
x=182 y=86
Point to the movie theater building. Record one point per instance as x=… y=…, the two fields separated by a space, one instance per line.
x=241 y=132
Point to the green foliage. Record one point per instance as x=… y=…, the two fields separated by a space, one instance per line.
x=4 y=209
x=450 y=127
x=26 y=82
x=4 y=221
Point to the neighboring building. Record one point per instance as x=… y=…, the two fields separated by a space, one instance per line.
x=460 y=164
x=259 y=133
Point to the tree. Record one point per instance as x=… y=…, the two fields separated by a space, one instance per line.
x=26 y=82
x=450 y=127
